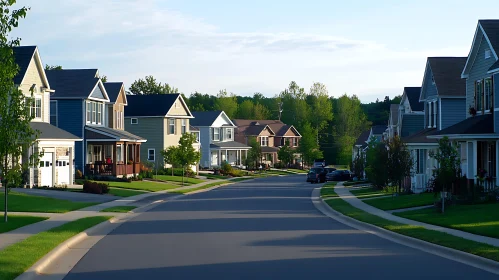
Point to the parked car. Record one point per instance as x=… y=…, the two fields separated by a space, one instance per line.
x=320 y=163
x=330 y=169
x=316 y=175
x=339 y=175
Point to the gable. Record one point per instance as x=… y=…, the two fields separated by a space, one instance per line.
x=179 y=108
x=476 y=56
x=222 y=120
x=292 y=132
x=122 y=97
x=98 y=93
x=33 y=76
x=480 y=64
x=429 y=88
x=266 y=132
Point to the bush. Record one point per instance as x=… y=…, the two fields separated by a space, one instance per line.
x=78 y=174
x=236 y=173
x=226 y=169
x=95 y=187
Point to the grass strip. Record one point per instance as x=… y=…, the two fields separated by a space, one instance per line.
x=17 y=258
x=328 y=190
x=142 y=185
x=125 y=192
x=432 y=236
x=402 y=201
x=15 y=222
x=19 y=202
x=119 y=209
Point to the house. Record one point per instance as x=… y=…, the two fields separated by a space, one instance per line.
x=82 y=105
x=411 y=112
x=478 y=135
x=217 y=140
x=271 y=134
x=56 y=166
x=160 y=118
x=443 y=94
x=360 y=145
x=377 y=132
x=393 y=121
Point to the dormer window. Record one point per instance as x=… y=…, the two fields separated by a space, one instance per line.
x=488 y=53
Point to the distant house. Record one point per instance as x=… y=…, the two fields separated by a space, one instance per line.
x=377 y=132
x=411 y=112
x=217 y=140
x=360 y=145
x=393 y=121
x=56 y=166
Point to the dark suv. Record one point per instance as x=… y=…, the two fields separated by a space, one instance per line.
x=316 y=175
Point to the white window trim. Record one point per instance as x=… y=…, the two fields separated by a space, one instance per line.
x=217 y=129
x=266 y=142
x=154 y=155
x=231 y=133
x=132 y=121
x=170 y=124
x=295 y=142
x=183 y=126
x=32 y=106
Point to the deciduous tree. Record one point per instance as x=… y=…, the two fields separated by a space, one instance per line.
x=286 y=154
x=309 y=148
x=399 y=163
x=53 y=67
x=149 y=85
x=226 y=102
x=377 y=159
x=186 y=154
x=170 y=156
x=255 y=153
x=246 y=110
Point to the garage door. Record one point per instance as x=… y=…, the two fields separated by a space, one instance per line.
x=46 y=169
x=62 y=166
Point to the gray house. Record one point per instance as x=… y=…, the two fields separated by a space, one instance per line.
x=411 y=112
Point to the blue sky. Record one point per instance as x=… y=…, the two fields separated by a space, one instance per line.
x=367 y=48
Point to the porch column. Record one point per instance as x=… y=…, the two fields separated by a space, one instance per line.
x=429 y=115
x=53 y=167
x=126 y=154
x=219 y=158
x=497 y=161
x=435 y=114
x=115 y=158
x=472 y=160
x=71 y=173
x=133 y=160
x=226 y=157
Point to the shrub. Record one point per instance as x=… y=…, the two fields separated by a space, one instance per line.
x=78 y=174
x=236 y=173
x=95 y=187
x=226 y=169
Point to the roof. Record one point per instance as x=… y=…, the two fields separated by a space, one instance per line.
x=364 y=136
x=193 y=128
x=413 y=94
x=115 y=133
x=229 y=144
x=277 y=126
x=113 y=90
x=22 y=57
x=72 y=83
x=491 y=28
x=394 y=113
x=421 y=136
x=205 y=118
x=152 y=105
x=255 y=129
x=447 y=75
x=266 y=149
x=481 y=124
x=494 y=66
x=378 y=129
x=48 y=131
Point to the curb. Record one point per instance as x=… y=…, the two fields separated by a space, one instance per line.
x=445 y=252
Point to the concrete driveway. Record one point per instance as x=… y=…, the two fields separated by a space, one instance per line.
x=262 y=229
x=67 y=195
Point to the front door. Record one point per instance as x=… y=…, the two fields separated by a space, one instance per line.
x=46 y=170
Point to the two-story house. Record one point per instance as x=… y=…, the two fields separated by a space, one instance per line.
x=81 y=105
x=411 y=112
x=443 y=94
x=478 y=134
x=271 y=134
x=217 y=140
x=55 y=166
x=360 y=144
x=393 y=121
x=160 y=118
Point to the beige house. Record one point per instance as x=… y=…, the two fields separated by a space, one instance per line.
x=161 y=119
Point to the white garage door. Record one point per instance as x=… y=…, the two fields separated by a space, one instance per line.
x=62 y=166
x=46 y=169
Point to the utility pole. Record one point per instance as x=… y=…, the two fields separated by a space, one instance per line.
x=280 y=110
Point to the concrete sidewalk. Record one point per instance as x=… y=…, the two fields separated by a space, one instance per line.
x=345 y=194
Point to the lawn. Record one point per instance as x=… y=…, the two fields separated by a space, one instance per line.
x=402 y=201
x=298 y=171
x=215 y=177
x=178 y=179
x=436 y=237
x=368 y=192
x=18 y=202
x=18 y=221
x=481 y=219
x=125 y=192
x=353 y=183
x=16 y=258
x=142 y=185
x=328 y=190
x=119 y=209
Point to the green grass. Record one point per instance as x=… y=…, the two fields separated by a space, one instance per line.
x=119 y=209
x=328 y=190
x=215 y=177
x=125 y=192
x=298 y=171
x=18 y=202
x=142 y=185
x=15 y=222
x=369 y=192
x=353 y=183
x=435 y=237
x=16 y=258
x=178 y=179
x=481 y=219
x=402 y=201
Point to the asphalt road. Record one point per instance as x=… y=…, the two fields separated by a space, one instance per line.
x=262 y=229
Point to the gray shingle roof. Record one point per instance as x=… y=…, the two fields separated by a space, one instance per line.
x=447 y=74
x=394 y=113
x=48 y=131
x=491 y=28
x=267 y=149
x=229 y=144
x=117 y=134
x=72 y=83
x=205 y=118
x=277 y=126
x=113 y=90
x=22 y=56
x=193 y=128
x=361 y=141
x=154 y=105
x=481 y=124
x=379 y=129
x=421 y=137
x=254 y=129
x=413 y=94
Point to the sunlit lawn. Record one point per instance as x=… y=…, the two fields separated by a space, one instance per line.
x=368 y=192
x=328 y=190
x=402 y=201
x=15 y=222
x=19 y=202
x=178 y=179
x=142 y=185
x=125 y=192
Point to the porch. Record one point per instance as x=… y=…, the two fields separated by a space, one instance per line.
x=232 y=152
x=479 y=162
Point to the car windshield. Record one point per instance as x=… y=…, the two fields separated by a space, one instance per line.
x=316 y=170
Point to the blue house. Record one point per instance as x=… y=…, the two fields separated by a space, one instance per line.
x=82 y=106
x=443 y=94
x=478 y=135
x=411 y=112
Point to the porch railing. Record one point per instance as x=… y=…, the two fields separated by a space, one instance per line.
x=127 y=169
x=105 y=169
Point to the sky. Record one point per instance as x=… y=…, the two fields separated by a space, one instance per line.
x=368 y=48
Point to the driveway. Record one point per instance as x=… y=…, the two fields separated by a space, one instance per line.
x=68 y=195
x=262 y=229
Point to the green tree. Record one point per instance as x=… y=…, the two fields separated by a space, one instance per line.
x=103 y=78
x=260 y=112
x=377 y=159
x=295 y=109
x=359 y=165
x=254 y=154
x=227 y=103
x=286 y=154
x=170 y=156
x=149 y=85
x=399 y=163
x=16 y=135
x=309 y=148
x=246 y=110
x=321 y=106
x=53 y=67
x=186 y=154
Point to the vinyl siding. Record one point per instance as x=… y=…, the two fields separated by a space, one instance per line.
x=97 y=93
x=205 y=139
x=411 y=123
x=478 y=71
x=151 y=129
x=179 y=110
x=70 y=118
x=429 y=89
x=496 y=102
x=453 y=111
x=33 y=77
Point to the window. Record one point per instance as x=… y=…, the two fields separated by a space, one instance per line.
x=264 y=141
x=197 y=136
x=229 y=133
x=53 y=112
x=171 y=125
x=134 y=121
x=95 y=112
x=89 y=112
x=35 y=106
x=295 y=142
x=216 y=134
x=119 y=152
x=488 y=94
x=99 y=113
x=487 y=54
x=478 y=95
x=491 y=164
x=151 y=154
x=184 y=126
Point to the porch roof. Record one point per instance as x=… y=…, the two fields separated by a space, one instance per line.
x=421 y=137
x=50 y=132
x=229 y=145
x=270 y=150
x=481 y=126
x=101 y=133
